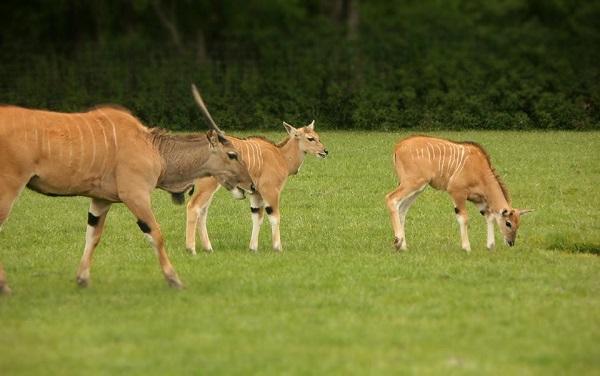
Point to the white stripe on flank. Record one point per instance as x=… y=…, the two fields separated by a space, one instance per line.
x=80 y=159
x=25 y=128
x=113 y=129
x=428 y=153
x=452 y=158
x=106 y=151
x=439 y=159
x=464 y=161
x=249 y=160
x=93 y=141
x=443 y=159
x=247 y=147
x=35 y=132
x=70 y=143
x=258 y=156
x=458 y=169
x=255 y=154
x=462 y=157
x=47 y=134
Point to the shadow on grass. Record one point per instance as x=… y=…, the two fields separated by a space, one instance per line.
x=593 y=249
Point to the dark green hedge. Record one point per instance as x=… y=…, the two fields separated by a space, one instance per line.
x=520 y=64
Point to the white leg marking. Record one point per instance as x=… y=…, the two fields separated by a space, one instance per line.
x=464 y=236
x=403 y=206
x=491 y=241
x=202 y=228
x=255 y=202
x=275 y=233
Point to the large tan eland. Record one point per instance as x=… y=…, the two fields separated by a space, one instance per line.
x=108 y=155
x=464 y=170
x=269 y=165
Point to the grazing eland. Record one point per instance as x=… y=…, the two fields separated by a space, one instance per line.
x=464 y=170
x=110 y=156
x=269 y=165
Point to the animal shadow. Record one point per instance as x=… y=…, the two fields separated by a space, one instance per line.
x=593 y=249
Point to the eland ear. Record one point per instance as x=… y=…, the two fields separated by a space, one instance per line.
x=311 y=126
x=525 y=211
x=290 y=129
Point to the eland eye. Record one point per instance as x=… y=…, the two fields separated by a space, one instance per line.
x=311 y=139
x=232 y=155
x=508 y=224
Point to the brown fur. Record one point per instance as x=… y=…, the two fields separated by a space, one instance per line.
x=110 y=156
x=269 y=165
x=464 y=170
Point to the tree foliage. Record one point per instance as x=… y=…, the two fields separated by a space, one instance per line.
x=382 y=65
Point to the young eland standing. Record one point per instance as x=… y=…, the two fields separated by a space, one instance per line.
x=464 y=170
x=269 y=165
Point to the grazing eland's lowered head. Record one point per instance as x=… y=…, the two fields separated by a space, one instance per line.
x=508 y=221
x=228 y=168
x=308 y=139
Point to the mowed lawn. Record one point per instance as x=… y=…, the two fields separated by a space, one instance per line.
x=338 y=299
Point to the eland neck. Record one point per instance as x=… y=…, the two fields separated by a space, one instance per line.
x=184 y=159
x=294 y=157
x=495 y=193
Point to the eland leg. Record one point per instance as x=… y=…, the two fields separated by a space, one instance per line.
x=95 y=225
x=10 y=188
x=257 y=210
x=398 y=203
x=403 y=209
x=4 y=289
x=491 y=240
x=460 y=209
x=271 y=202
x=139 y=205
x=197 y=213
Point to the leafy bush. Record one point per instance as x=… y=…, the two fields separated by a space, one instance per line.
x=420 y=64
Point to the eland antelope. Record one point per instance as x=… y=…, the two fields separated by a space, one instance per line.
x=108 y=155
x=269 y=166
x=464 y=170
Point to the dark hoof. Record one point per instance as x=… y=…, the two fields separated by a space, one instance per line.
x=83 y=282
x=398 y=244
x=5 y=290
x=174 y=282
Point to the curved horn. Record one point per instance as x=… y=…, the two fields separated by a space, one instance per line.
x=204 y=110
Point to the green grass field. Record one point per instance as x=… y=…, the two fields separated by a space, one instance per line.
x=338 y=300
